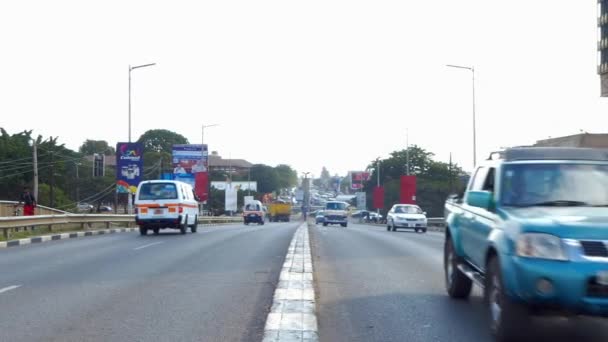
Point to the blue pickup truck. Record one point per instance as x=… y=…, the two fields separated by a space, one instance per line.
x=531 y=229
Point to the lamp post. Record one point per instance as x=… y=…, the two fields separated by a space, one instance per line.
x=203 y=132
x=131 y=68
x=472 y=69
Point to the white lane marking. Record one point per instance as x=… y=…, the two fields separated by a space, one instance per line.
x=148 y=245
x=293 y=317
x=6 y=289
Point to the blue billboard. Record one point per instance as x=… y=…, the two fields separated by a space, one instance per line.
x=129 y=166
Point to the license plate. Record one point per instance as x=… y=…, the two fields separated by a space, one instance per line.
x=602 y=278
x=251 y=215
x=158 y=211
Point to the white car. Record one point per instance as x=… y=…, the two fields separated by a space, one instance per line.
x=406 y=216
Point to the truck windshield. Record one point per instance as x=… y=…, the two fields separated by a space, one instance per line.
x=335 y=206
x=157 y=191
x=554 y=185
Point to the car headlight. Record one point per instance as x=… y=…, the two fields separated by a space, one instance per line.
x=542 y=246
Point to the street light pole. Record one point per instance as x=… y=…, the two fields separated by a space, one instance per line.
x=131 y=68
x=378 y=181
x=407 y=152
x=472 y=69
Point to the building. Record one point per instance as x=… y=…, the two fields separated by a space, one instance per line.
x=576 y=140
x=234 y=166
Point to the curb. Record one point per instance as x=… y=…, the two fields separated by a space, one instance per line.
x=63 y=236
x=293 y=315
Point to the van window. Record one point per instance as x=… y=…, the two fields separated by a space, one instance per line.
x=252 y=207
x=157 y=191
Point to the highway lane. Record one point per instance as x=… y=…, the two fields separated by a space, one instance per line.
x=215 y=285
x=375 y=285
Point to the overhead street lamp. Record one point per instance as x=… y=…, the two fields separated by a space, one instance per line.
x=203 y=131
x=131 y=68
x=472 y=69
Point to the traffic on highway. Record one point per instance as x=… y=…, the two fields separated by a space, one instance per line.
x=283 y=171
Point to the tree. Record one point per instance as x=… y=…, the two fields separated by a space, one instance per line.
x=156 y=163
x=161 y=140
x=434 y=180
x=325 y=178
x=287 y=177
x=266 y=176
x=90 y=147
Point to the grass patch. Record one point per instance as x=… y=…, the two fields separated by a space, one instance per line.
x=58 y=229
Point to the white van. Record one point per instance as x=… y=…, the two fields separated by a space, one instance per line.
x=161 y=204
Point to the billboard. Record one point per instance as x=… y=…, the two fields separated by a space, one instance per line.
x=231 y=198
x=357 y=178
x=129 y=166
x=361 y=201
x=378 y=197
x=190 y=165
x=408 y=190
x=219 y=185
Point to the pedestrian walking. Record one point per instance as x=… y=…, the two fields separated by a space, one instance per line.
x=29 y=202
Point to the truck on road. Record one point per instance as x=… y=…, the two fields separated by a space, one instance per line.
x=532 y=231
x=279 y=211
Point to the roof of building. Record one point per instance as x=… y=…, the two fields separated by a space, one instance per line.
x=218 y=161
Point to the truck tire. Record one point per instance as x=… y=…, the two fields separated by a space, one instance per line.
x=457 y=284
x=344 y=224
x=324 y=224
x=156 y=231
x=143 y=231
x=507 y=318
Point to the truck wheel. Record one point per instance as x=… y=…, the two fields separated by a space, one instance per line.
x=507 y=318
x=324 y=224
x=457 y=283
x=143 y=231
x=261 y=222
x=156 y=230
x=194 y=226
x=344 y=224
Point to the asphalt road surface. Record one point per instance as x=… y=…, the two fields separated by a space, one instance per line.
x=375 y=285
x=215 y=285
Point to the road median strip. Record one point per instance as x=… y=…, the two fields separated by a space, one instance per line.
x=62 y=236
x=293 y=315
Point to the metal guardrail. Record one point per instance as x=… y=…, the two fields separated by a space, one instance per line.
x=9 y=224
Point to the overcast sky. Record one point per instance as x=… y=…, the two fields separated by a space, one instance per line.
x=306 y=83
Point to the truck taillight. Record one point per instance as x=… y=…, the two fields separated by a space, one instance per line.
x=181 y=210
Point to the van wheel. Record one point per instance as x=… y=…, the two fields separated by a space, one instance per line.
x=156 y=231
x=143 y=231
x=194 y=226
x=183 y=226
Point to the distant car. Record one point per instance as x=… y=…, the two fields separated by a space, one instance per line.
x=319 y=217
x=105 y=209
x=84 y=207
x=375 y=217
x=406 y=216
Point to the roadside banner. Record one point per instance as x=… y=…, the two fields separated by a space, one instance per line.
x=378 y=197
x=231 y=198
x=361 y=200
x=357 y=178
x=129 y=166
x=190 y=165
x=408 y=190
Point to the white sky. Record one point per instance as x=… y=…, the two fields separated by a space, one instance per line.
x=307 y=83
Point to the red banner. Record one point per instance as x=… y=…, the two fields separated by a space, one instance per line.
x=378 y=197
x=357 y=178
x=408 y=190
x=201 y=187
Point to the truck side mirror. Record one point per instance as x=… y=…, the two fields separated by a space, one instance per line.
x=480 y=199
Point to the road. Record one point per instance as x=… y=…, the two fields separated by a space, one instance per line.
x=215 y=285
x=374 y=285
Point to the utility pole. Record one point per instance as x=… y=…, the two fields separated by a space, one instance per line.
x=77 y=184
x=378 y=181
x=407 y=152
x=249 y=182
x=52 y=185
x=450 y=175
x=35 y=157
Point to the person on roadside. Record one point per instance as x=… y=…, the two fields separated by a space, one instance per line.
x=29 y=202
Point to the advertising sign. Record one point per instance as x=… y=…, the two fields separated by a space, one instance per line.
x=246 y=185
x=231 y=199
x=190 y=165
x=378 y=197
x=357 y=178
x=361 y=200
x=129 y=166
x=408 y=190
